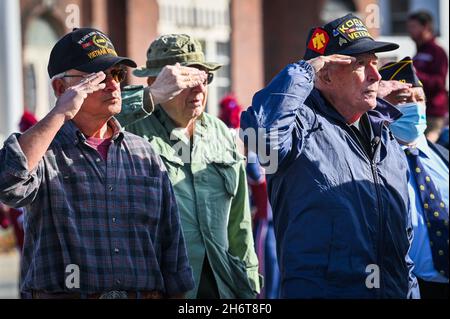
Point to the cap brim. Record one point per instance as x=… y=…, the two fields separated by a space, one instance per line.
x=144 y=72
x=368 y=45
x=104 y=63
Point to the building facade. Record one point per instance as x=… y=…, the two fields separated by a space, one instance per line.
x=253 y=39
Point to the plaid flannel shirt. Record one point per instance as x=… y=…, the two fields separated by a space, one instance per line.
x=117 y=221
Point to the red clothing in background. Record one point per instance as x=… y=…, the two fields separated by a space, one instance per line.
x=431 y=64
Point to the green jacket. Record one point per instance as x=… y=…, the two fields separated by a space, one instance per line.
x=210 y=185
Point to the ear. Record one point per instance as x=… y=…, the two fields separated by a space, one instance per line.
x=323 y=78
x=59 y=87
x=324 y=75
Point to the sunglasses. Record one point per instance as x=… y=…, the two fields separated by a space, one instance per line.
x=118 y=75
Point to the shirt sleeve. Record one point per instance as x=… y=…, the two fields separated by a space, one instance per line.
x=18 y=185
x=272 y=114
x=175 y=267
x=137 y=104
x=240 y=235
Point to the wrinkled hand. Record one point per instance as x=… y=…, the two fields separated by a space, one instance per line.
x=385 y=88
x=173 y=79
x=69 y=103
x=321 y=62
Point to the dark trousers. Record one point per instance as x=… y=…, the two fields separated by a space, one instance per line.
x=433 y=290
x=207 y=288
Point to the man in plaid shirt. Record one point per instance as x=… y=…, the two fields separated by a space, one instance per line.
x=102 y=220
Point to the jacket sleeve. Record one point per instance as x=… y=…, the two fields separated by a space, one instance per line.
x=272 y=114
x=240 y=235
x=18 y=185
x=137 y=104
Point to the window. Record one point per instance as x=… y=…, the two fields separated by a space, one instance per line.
x=209 y=22
x=399 y=15
x=40 y=38
x=394 y=14
x=334 y=9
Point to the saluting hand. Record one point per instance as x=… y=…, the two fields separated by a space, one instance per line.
x=69 y=103
x=173 y=79
x=387 y=87
x=321 y=62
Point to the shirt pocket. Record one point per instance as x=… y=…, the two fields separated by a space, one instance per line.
x=229 y=177
x=144 y=200
x=221 y=187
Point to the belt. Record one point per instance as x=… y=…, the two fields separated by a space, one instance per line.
x=114 y=294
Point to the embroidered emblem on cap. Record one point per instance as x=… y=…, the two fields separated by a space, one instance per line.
x=353 y=29
x=100 y=41
x=319 y=41
x=342 y=41
x=96 y=39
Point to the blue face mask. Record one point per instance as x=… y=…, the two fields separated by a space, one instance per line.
x=412 y=124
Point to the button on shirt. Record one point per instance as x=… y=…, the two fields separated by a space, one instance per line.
x=420 y=249
x=116 y=220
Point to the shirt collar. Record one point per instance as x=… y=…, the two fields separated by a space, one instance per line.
x=73 y=133
x=422 y=146
x=383 y=112
x=173 y=130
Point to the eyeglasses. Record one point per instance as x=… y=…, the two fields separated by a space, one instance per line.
x=118 y=75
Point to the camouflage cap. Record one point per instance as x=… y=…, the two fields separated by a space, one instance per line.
x=170 y=49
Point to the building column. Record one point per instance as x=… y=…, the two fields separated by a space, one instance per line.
x=11 y=88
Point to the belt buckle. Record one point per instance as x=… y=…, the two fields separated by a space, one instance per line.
x=114 y=294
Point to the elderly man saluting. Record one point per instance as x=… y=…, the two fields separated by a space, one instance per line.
x=339 y=196
x=204 y=166
x=102 y=220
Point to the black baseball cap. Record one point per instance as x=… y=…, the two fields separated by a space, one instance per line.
x=402 y=71
x=347 y=35
x=84 y=49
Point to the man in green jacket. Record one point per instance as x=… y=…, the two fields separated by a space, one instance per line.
x=204 y=166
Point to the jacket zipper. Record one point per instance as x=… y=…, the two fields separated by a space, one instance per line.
x=373 y=167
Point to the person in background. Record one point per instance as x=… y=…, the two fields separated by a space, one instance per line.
x=263 y=232
x=431 y=63
x=428 y=183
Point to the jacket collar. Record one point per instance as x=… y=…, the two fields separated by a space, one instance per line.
x=383 y=113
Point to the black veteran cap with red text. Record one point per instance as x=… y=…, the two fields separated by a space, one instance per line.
x=402 y=71
x=347 y=35
x=86 y=50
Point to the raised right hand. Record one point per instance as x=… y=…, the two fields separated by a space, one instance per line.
x=320 y=62
x=173 y=79
x=69 y=103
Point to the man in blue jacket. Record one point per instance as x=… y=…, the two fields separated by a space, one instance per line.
x=339 y=195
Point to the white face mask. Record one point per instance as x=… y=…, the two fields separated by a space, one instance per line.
x=412 y=124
